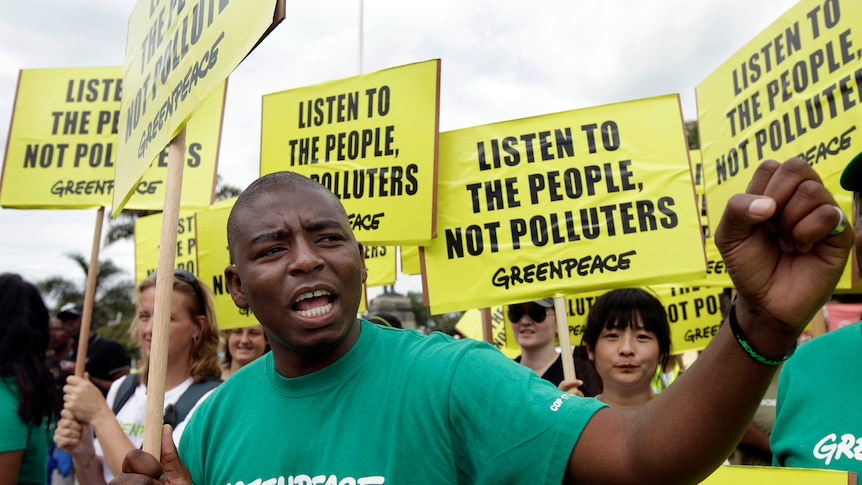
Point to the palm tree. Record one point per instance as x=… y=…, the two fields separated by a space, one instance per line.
x=113 y=299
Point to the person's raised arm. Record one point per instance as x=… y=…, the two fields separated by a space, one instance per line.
x=778 y=244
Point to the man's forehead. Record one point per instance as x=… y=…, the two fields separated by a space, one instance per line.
x=295 y=196
x=308 y=206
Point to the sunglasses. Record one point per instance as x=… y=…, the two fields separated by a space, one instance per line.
x=537 y=313
x=191 y=279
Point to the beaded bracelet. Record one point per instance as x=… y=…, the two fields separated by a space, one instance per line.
x=743 y=342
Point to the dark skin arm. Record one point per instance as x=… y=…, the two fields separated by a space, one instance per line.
x=10 y=464
x=799 y=263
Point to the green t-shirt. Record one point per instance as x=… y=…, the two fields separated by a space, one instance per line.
x=17 y=435
x=399 y=407
x=817 y=421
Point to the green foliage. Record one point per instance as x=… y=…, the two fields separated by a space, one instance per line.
x=691 y=135
x=113 y=299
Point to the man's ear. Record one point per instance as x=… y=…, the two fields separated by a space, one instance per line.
x=362 y=261
x=234 y=286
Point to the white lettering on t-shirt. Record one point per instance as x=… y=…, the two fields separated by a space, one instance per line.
x=315 y=480
x=558 y=402
x=830 y=448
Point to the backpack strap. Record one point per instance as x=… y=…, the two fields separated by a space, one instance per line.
x=127 y=388
x=176 y=413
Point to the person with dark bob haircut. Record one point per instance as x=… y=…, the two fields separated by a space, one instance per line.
x=26 y=393
x=627 y=337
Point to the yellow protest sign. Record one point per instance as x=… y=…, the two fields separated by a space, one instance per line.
x=371 y=140
x=62 y=147
x=380 y=262
x=793 y=90
x=573 y=201
x=147 y=237
x=694 y=314
x=177 y=54
x=767 y=475
x=410 y=262
x=214 y=258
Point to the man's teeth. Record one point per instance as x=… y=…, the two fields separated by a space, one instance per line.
x=313 y=312
x=311 y=294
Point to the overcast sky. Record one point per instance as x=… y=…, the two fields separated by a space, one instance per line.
x=501 y=60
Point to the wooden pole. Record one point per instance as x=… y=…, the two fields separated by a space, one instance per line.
x=487 y=326
x=158 y=366
x=89 y=297
x=565 y=338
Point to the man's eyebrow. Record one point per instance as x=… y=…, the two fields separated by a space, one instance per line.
x=324 y=224
x=275 y=235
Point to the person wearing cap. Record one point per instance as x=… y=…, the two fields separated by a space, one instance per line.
x=107 y=361
x=534 y=326
x=817 y=418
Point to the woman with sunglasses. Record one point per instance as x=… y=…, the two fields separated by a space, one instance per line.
x=534 y=325
x=627 y=337
x=192 y=366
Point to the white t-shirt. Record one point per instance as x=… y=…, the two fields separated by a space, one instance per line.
x=133 y=414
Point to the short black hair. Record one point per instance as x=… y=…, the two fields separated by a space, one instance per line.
x=619 y=309
x=264 y=185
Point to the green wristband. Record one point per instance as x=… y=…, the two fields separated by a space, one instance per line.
x=746 y=346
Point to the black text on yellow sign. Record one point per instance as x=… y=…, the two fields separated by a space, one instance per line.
x=567 y=186
x=63 y=142
x=370 y=139
x=791 y=92
x=573 y=200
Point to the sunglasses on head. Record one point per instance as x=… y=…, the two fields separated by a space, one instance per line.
x=537 y=313
x=191 y=279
